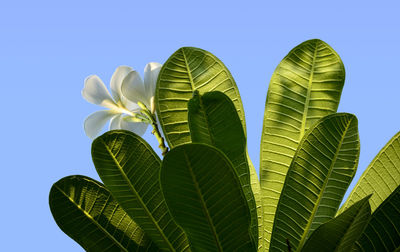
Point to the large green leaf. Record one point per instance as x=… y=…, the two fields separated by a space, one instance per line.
x=383 y=230
x=381 y=177
x=340 y=233
x=85 y=210
x=322 y=169
x=213 y=120
x=205 y=197
x=187 y=70
x=190 y=69
x=305 y=87
x=130 y=169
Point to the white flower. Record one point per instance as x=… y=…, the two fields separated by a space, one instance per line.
x=127 y=89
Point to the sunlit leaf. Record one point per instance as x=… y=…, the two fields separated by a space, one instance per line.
x=305 y=87
x=381 y=177
x=322 y=169
x=187 y=70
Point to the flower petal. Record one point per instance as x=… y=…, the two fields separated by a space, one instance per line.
x=116 y=81
x=137 y=127
x=115 y=122
x=95 y=122
x=132 y=88
x=151 y=72
x=131 y=106
x=94 y=91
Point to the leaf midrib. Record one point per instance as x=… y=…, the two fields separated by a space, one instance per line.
x=138 y=197
x=91 y=219
x=331 y=168
x=304 y=119
x=203 y=204
x=188 y=70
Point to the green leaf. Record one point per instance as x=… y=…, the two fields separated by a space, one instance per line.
x=381 y=177
x=204 y=195
x=305 y=87
x=187 y=70
x=213 y=120
x=340 y=233
x=255 y=187
x=130 y=169
x=322 y=169
x=383 y=230
x=85 y=210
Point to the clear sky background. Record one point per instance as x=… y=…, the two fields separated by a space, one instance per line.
x=47 y=48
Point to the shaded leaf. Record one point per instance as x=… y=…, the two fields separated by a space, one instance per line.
x=205 y=197
x=187 y=70
x=213 y=120
x=383 y=230
x=85 y=210
x=130 y=169
x=340 y=233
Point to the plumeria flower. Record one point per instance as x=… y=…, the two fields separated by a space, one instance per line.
x=137 y=90
x=127 y=89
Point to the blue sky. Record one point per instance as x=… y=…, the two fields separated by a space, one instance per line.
x=48 y=48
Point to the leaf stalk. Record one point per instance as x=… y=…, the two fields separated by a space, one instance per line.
x=155 y=131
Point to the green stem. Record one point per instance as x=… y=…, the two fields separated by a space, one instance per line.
x=155 y=131
x=160 y=139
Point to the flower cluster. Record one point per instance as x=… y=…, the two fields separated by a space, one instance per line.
x=127 y=91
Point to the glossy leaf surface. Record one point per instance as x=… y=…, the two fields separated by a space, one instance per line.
x=340 y=233
x=305 y=87
x=381 y=177
x=130 y=169
x=205 y=197
x=213 y=120
x=322 y=169
x=85 y=210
